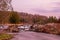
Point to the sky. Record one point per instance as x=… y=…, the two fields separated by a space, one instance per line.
x=41 y=7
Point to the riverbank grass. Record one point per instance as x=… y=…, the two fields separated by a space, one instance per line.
x=5 y=36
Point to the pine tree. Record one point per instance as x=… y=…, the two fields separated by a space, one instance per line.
x=14 y=18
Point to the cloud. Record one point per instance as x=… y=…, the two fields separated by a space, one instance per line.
x=57 y=3
x=39 y=10
x=51 y=7
x=56 y=10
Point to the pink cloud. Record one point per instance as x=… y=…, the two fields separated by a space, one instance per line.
x=43 y=7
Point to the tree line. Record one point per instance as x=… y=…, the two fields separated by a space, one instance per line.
x=21 y=17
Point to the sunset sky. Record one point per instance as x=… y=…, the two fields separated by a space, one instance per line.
x=42 y=7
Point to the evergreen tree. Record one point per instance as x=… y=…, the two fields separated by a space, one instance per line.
x=52 y=19
x=59 y=20
x=14 y=18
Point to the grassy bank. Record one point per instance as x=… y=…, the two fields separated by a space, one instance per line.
x=5 y=36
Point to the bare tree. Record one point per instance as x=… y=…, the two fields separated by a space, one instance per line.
x=5 y=5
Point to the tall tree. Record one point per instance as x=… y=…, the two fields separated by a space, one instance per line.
x=5 y=5
x=58 y=20
x=14 y=18
x=52 y=19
